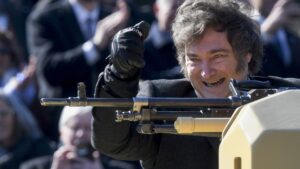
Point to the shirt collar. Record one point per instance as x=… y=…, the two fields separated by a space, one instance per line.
x=82 y=14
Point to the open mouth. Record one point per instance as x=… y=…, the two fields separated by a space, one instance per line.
x=214 y=84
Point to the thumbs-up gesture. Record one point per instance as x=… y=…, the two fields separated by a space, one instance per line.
x=127 y=50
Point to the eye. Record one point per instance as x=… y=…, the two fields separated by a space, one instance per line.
x=73 y=127
x=219 y=57
x=193 y=58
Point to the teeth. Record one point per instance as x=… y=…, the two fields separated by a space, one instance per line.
x=215 y=83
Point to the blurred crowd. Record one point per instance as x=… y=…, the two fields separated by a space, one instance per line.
x=48 y=46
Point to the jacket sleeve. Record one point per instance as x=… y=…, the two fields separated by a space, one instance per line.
x=119 y=140
x=59 y=57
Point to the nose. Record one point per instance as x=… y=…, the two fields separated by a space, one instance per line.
x=83 y=134
x=79 y=133
x=81 y=137
x=207 y=70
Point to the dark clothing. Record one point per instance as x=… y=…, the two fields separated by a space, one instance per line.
x=160 y=56
x=55 y=38
x=17 y=11
x=156 y=151
x=107 y=162
x=26 y=149
x=273 y=63
x=159 y=151
x=277 y=82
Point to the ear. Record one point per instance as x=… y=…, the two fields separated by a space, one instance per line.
x=248 y=57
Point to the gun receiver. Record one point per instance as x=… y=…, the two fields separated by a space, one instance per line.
x=172 y=115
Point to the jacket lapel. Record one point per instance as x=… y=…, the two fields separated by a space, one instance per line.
x=71 y=26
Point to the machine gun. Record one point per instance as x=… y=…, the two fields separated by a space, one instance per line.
x=259 y=126
x=204 y=116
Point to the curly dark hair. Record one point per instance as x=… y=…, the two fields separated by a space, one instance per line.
x=243 y=33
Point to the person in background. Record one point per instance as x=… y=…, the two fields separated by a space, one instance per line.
x=216 y=42
x=71 y=45
x=15 y=75
x=18 y=77
x=160 y=52
x=13 y=16
x=280 y=25
x=20 y=137
x=69 y=39
x=10 y=60
x=75 y=149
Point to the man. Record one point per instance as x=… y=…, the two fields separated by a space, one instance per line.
x=20 y=136
x=160 y=52
x=76 y=150
x=215 y=42
x=70 y=40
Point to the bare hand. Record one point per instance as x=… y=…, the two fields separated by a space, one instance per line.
x=66 y=158
x=109 y=26
x=283 y=12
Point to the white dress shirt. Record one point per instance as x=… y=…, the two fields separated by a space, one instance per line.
x=82 y=14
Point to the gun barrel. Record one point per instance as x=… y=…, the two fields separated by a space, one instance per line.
x=95 y=102
x=54 y=102
x=152 y=102
x=190 y=102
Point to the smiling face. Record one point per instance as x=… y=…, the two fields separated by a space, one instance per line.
x=211 y=63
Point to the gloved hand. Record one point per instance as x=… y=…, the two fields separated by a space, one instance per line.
x=127 y=50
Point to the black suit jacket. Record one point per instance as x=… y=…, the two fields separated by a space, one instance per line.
x=55 y=38
x=159 y=151
x=273 y=63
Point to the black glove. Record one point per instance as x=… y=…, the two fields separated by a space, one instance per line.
x=127 y=50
